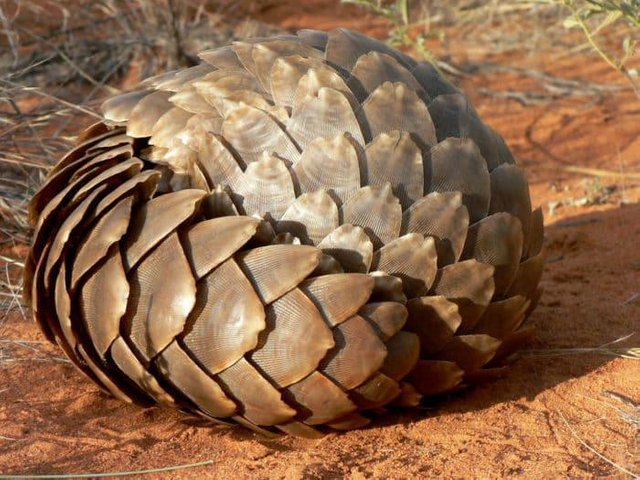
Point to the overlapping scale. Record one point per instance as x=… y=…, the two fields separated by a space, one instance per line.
x=225 y=322
x=354 y=339
x=395 y=106
x=323 y=115
x=443 y=217
x=168 y=259
x=411 y=257
x=311 y=217
x=351 y=246
x=158 y=309
x=329 y=164
x=377 y=211
x=265 y=188
x=457 y=166
x=282 y=354
x=251 y=131
x=395 y=158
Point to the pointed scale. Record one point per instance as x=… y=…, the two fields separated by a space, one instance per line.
x=503 y=317
x=443 y=217
x=454 y=116
x=58 y=185
x=325 y=114
x=358 y=353
x=265 y=187
x=218 y=204
x=329 y=164
x=301 y=430
x=470 y=285
x=130 y=366
x=435 y=320
x=102 y=378
x=146 y=114
x=510 y=193
x=434 y=377
x=432 y=82
x=68 y=230
x=163 y=133
x=190 y=100
x=338 y=297
x=344 y=47
x=393 y=157
x=265 y=55
x=178 y=368
x=159 y=308
x=536 y=234
x=82 y=148
x=374 y=68
x=118 y=109
x=225 y=322
x=311 y=217
x=285 y=75
x=528 y=277
x=318 y=399
x=315 y=78
x=387 y=288
x=412 y=258
x=223 y=58
x=110 y=228
x=470 y=352
x=260 y=401
x=387 y=318
x=457 y=166
x=156 y=219
x=103 y=301
x=314 y=38
x=184 y=77
x=350 y=246
x=63 y=308
x=274 y=270
x=403 y=354
x=251 y=131
x=377 y=211
x=395 y=106
x=295 y=340
x=375 y=392
x=496 y=240
x=211 y=242
x=349 y=422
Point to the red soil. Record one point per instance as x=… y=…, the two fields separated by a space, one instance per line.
x=544 y=420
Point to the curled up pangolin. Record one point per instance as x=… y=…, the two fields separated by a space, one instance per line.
x=292 y=234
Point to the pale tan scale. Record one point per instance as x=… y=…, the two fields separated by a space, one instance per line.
x=311 y=217
x=298 y=232
x=330 y=164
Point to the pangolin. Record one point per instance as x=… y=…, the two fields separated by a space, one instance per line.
x=295 y=233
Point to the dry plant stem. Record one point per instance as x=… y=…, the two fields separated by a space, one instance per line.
x=113 y=474
x=591 y=449
x=597 y=172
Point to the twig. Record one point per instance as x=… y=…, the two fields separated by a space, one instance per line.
x=112 y=474
x=593 y=450
x=597 y=172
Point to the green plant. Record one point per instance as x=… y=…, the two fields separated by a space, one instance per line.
x=595 y=16
x=398 y=13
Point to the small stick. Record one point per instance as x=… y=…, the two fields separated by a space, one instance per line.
x=113 y=474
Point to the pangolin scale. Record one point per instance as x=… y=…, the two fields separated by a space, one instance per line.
x=298 y=231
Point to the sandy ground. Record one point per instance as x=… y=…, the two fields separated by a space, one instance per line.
x=566 y=409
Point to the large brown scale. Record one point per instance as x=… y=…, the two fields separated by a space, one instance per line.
x=298 y=231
